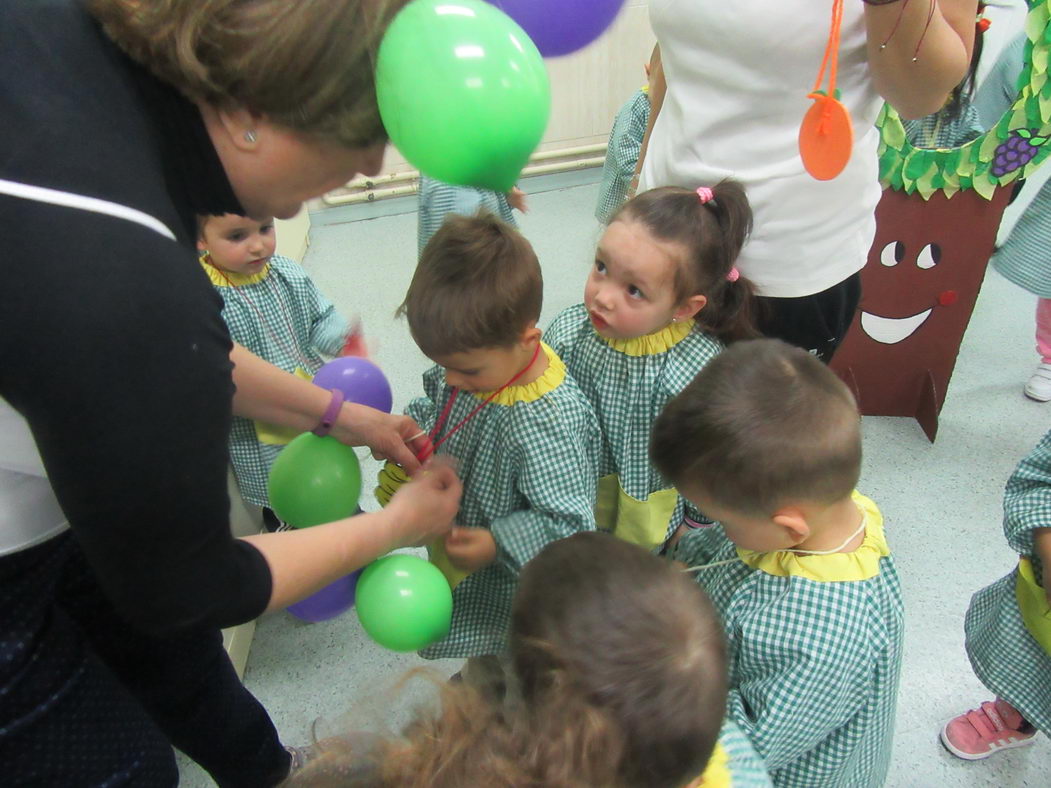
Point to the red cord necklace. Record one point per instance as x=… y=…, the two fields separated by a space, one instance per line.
x=434 y=441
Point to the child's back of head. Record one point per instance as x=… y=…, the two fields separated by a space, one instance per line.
x=477 y=285
x=620 y=667
x=763 y=424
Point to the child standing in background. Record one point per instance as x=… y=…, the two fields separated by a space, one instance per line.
x=767 y=441
x=500 y=402
x=662 y=299
x=438 y=200
x=620 y=676
x=274 y=309
x=1008 y=626
x=622 y=152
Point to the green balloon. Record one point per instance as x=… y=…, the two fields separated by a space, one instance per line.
x=314 y=480
x=404 y=603
x=463 y=92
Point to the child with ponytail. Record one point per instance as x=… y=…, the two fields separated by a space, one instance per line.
x=662 y=300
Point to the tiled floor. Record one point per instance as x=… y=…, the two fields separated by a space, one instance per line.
x=941 y=501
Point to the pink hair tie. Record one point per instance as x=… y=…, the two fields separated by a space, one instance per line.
x=705 y=194
x=734 y=275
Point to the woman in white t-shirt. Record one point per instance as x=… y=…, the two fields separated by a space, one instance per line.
x=729 y=93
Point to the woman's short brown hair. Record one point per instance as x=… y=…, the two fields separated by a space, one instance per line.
x=762 y=425
x=477 y=285
x=307 y=66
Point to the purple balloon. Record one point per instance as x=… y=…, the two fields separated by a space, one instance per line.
x=559 y=27
x=329 y=602
x=359 y=379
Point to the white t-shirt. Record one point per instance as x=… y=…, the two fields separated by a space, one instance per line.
x=29 y=512
x=738 y=75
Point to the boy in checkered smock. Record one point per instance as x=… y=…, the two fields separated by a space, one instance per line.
x=662 y=298
x=1008 y=626
x=500 y=402
x=767 y=442
x=274 y=309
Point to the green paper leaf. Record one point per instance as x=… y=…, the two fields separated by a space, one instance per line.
x=985 y=187
x=1037 y=141
x=893 y=133
x=1023 y=133
x=916 y=164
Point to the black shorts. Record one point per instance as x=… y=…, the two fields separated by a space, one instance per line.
x=817 y=323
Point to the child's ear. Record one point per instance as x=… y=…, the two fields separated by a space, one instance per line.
x=793 y=521
x=690 y=307
x=530 y=335
x=201 y=245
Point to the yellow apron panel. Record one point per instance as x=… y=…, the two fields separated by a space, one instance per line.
x=644 y=523
x=1033 y=605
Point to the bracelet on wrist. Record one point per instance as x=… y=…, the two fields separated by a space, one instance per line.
x=330 y=415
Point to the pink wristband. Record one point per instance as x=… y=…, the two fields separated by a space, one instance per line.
x=331 y=414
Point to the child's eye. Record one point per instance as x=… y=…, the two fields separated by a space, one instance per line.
x=266 y=229
x=634 y=292
x=235 y=237
x=600 y=266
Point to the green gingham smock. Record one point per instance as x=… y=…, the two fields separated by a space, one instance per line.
x=527 y=462
x=744 y=766
x=814 y=645
x=439 y=199
x=261 y=310
x=1005 y=657
x=622 y=154
x=629 y=382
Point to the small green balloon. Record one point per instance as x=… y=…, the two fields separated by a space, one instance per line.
x=463 y=92
x=314 y=480
x=404 y=603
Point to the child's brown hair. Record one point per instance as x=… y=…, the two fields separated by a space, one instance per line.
x=762 y=425
x=621 y=665
x=712 y=233
x=305 y=66
x=477 y=285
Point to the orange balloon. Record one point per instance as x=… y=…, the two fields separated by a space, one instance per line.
x=826 y=137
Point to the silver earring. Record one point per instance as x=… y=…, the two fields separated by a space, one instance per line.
x=250 y=136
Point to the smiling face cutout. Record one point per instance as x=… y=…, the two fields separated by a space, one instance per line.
x=919 y=287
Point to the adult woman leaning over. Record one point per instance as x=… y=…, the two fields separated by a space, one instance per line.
x=121 y=120
x=728 y=99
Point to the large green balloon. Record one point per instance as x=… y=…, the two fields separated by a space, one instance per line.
x=404 y=603
x=463 y=92
x=314 y=480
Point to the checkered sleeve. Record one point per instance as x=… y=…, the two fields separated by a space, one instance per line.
x=1027 y=498
x=424 y=410
x=801 y=662
x=562 y=331
x=555 y=449
x=699 y=546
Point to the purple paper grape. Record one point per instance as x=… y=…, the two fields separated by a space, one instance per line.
x=1015 y=152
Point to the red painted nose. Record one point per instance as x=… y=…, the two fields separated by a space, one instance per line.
x=948 y=298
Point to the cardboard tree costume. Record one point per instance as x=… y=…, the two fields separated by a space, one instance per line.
x=935 y=229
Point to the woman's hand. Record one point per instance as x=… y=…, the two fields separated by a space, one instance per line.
x=423 y=510
x=387 y=435
x=470 y=549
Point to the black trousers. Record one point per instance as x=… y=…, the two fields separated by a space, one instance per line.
x=817 y=323
x=88 y=700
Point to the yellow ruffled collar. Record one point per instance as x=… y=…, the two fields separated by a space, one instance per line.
x=655 y=343
x=861 y=564
x=229 y=278
x=550 y=380
x=717 y=774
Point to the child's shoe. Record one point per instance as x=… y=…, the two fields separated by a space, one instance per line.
x=977 y=734
x=1039 y=385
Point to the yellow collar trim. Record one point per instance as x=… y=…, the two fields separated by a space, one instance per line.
x=861 y=564
x=550 y=380
x=228 y=278
x=717 y=774
x=653 y=344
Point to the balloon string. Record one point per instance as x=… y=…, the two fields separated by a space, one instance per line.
x=435 y=442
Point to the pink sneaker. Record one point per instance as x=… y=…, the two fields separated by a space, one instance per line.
x=995 y=726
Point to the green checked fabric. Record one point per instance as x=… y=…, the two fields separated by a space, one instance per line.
x=746 y=768
x=1023 y=257
x=622 y=154
x=527 y=461
x=281 y=316
x=1005 y=657
x=438 y=200
x=814 y=646
x=629 y=382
